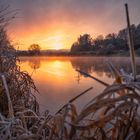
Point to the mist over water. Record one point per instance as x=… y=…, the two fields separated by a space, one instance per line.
x=58 y=81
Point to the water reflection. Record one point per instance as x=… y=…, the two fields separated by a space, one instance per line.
x=100 y=65
x=58 y=81
x=78 y=77
x=35 y=64
x=86 y=64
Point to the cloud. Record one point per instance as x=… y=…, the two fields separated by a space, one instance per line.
x=38 y=12
x=71 y=16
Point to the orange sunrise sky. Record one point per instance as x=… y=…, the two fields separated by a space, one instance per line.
x=56 y=24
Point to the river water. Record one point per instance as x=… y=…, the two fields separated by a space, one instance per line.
x=58 y=81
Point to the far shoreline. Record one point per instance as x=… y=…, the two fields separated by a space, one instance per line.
x=74 y=55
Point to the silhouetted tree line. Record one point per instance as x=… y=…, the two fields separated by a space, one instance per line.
x=109 y=44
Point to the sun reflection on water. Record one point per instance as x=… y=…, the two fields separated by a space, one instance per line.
x=58 y=81
x=56 y=68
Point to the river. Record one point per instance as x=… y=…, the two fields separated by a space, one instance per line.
x=58 y=81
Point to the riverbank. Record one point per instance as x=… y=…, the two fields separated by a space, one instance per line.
x=71 y=54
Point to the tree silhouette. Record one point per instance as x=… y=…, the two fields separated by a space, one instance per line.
x=110 y=44
x=84 y=43
x=34 y=49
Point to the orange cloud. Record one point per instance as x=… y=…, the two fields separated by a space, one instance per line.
x=56 y=25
